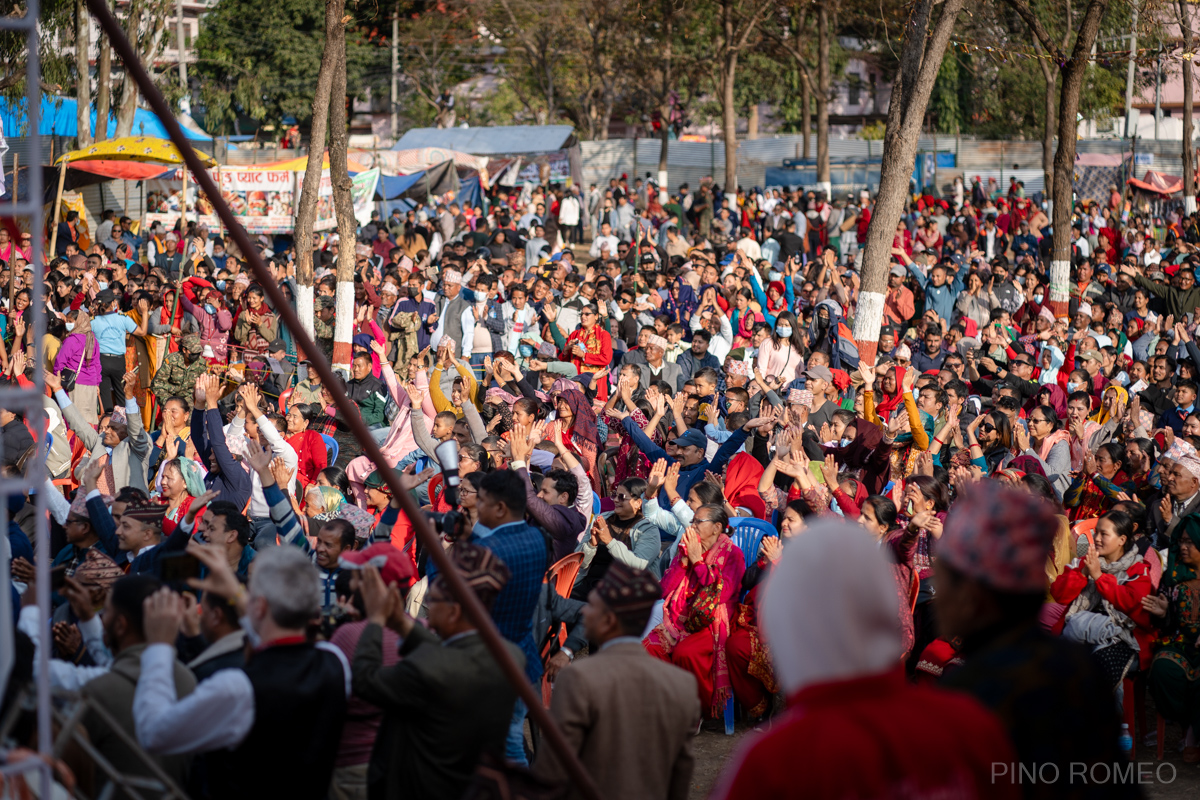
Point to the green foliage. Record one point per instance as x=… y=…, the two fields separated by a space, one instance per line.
x=944 y=103
x=260 y=58
x=873 y=131
x=56 y=26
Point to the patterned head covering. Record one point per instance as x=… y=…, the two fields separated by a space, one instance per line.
x=629 y=592
x=193 y=477
x=361 y=519
x=1000 y=537
x=329 y=500
x=79 y=504
x=98 y=570
x=191 y=344
x=654 y=340
x=452 y=276
x=117 y=417
x=482 y=569
x=741 y=368
x=147 y=512
x=1191 y=463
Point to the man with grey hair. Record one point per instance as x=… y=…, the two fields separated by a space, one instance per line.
x=284 y=708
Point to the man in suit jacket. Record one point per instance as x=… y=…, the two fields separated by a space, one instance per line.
x=114 y=692
x=629 y=716
x=124 y=442
x=1181 y=482
x=447 y=701
x=657 y=368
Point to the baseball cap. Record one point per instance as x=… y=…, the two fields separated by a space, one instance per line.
x=1089 y=355
x=899 y=272
x=691 y=438
x=820 y=373
x=393 y=565
x=276 y=346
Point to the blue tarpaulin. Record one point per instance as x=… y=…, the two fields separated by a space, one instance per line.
x=469 y=195
x=58 y=119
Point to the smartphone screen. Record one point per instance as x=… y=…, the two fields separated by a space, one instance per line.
x=176 y=568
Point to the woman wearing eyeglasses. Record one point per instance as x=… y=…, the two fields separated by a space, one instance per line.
x=700 y=594
x=1049 y=442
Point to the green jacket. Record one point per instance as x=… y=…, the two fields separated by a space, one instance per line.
x=176 y=377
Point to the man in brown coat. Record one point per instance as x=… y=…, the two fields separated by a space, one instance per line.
x=125 y=637
x=629 y=716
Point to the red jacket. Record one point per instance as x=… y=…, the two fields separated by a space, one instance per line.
x=875 y=736
x=1127 y=597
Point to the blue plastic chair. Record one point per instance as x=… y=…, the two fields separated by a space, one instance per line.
x=747 y=533
x=331 y=448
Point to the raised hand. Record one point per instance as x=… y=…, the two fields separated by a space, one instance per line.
x=521 y=447
x=671 y=480
x=656 y=478
x=199 y=503
x=18 y=362
x=259 y=459
x=52 y=380
x=162 y=615
x=281 y=471
x=868 y=376
x=829 y=471
x=94 y=469
x=131 y=384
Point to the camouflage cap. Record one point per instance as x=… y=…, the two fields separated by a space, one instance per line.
x=190 y=343
x=325 y=301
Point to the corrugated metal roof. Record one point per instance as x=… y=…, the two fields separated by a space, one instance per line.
x=491 y=141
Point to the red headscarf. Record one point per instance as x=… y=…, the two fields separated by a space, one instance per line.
x=741 y=484
x=889 y=403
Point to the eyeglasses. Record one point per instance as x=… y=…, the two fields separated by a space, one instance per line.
x=622 y=497
x=987 y=426
x=1037 y=420
x=698 y=521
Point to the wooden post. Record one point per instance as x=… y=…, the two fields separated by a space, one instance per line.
x=12 y=269
x=62 y=178
x=220 y=224
x=183 y=205
x=126 y=183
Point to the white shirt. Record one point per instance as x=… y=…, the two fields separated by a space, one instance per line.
x=63 y=674
x=217 y=715
x=279 y=448
x=610 y=242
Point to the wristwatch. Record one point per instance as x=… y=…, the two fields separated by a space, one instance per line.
x=570 y=653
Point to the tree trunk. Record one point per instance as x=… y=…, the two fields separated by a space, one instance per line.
x=664 y=100
x=129 y=88
x=919 y=64
x=103 y=85
x=1073 y=70
x=824 y=85
x=343 y=201
x=729 y=120
x=805 y=115
x=1189 y=167
x=83 y=77
x=1049 y=73
x=306 y=209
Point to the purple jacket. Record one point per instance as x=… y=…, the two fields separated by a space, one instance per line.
x=68 y=358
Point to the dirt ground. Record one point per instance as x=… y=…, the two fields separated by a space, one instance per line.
x=713 y=750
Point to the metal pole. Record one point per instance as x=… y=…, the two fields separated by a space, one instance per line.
x=185 y=103
x=1157 y=93
x=474 y=610
x=12 y=268
x=1129 y=73
x=396 y=74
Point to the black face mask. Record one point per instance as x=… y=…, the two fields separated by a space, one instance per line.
x=822 y=323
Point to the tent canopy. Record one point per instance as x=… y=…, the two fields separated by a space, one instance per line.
x=499 y=140
x=1158 y=182
x=141 y=149
x=419 y=185
x=58 y=119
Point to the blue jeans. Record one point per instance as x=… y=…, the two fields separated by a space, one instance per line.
x=477 y=364
x=262 y=532
x=514 y=744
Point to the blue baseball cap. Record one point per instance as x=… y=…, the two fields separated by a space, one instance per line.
x=557 y=256
x=692 y=438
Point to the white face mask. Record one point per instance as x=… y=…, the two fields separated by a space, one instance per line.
x=1072 y=386
x=102 y=284
x=70 y=326
x=784 y=332
x=1037 y=298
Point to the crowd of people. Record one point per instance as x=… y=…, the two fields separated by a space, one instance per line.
x=680 y=492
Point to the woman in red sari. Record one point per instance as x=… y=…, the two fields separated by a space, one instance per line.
x=700 y=596
x=311 y=454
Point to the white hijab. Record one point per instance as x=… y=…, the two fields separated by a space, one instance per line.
x=830 y=610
